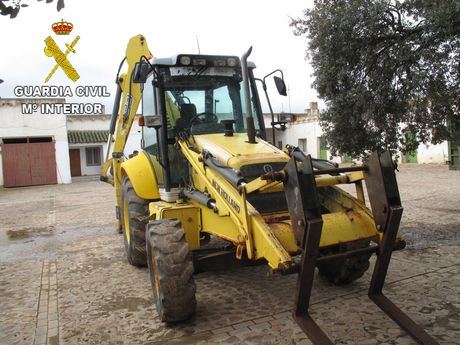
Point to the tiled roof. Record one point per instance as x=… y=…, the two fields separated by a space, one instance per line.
x=88 y=117
x=84 y=137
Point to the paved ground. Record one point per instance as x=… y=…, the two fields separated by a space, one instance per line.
x=64 y=278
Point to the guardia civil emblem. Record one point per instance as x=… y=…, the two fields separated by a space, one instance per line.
x=52 y=50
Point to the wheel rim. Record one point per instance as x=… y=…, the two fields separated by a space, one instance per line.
x=126 y=221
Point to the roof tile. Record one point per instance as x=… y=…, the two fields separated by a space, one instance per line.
x=84 y=137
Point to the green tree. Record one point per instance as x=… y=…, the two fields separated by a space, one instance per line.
x=11 y=8
x=384 y=68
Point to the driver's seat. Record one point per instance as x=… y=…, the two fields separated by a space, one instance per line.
x=187 y=112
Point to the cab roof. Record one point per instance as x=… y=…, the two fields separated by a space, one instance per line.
x=173 y=60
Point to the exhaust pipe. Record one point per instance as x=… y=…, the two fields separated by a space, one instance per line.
x=249 y=119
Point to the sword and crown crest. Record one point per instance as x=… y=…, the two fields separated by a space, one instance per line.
x=60 y=57
x=62 y=27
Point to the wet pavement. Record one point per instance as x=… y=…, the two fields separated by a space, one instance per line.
x=64 y=278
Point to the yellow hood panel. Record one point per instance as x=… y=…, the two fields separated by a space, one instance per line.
x=235 y=151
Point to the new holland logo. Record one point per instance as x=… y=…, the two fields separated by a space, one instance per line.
x=268 y=168
x=53 y=50
x=225 y=195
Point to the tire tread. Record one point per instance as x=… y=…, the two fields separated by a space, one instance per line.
x=174 y=266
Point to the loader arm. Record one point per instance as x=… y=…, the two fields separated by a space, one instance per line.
x=254 y=235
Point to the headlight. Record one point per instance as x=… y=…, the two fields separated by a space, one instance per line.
x=231 y=62
x=199 y=62
x=185 y=60
x=219 y=63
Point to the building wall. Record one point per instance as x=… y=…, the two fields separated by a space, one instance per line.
x=102 y=123
x=305 y=128
x=88 y=122
x=134 y=139
x=308 y=128
x=15 y=125
x=433 y=153
x=89 y=169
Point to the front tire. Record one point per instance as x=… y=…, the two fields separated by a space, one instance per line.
x=343 y=272
x=134 y=217
x=171 y=270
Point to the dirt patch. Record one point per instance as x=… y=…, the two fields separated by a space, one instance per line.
x=29 y=232
x=131 y=304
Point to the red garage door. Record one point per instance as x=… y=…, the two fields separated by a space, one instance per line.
x=28 y=162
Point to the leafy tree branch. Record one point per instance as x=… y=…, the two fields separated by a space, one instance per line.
x=11 y=8
x=388 y=70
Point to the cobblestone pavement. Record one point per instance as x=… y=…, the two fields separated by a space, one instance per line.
x=64 y=278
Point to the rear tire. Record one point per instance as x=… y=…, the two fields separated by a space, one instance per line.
x=171 y=270
x=342 y=272
x=134 y=212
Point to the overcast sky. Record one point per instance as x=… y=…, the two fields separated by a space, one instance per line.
x=171 y=27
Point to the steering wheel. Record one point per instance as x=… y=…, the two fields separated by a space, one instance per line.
x=194 y=119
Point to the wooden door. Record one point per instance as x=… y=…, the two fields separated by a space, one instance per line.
x=322 y=148
x=42 y=158
x=410 y=156
x=28 y=164
x=75 y=164
x=16 y=165
x=454 y=151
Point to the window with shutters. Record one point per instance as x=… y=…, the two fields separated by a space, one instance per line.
x=93 y=156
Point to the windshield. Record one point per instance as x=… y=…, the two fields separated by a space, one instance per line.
x=199 y=98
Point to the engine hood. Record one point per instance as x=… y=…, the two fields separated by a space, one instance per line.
x=236 y=152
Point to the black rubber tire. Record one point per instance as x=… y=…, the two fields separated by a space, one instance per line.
x=171 y=270
x=342 y=272
x=137 y=218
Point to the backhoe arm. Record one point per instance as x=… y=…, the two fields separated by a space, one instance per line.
x=125 y=108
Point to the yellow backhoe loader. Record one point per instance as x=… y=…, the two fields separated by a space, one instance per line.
x=209 y=191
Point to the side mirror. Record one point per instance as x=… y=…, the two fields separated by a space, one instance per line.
x=280 y=85
x=141 y=72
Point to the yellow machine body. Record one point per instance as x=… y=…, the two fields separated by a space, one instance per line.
x=278 y=207
x=258 y=236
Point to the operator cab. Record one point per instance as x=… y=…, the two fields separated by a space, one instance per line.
x=194 y=95
x=200 y=91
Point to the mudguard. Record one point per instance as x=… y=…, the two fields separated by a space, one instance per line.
x=142 y=176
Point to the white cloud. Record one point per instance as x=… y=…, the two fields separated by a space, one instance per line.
x=170 y=28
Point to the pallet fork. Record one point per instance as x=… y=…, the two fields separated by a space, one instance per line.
x=305 y=212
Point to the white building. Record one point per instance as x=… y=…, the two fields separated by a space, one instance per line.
x=88 y=136
x=303 y=130
x=48 y=149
